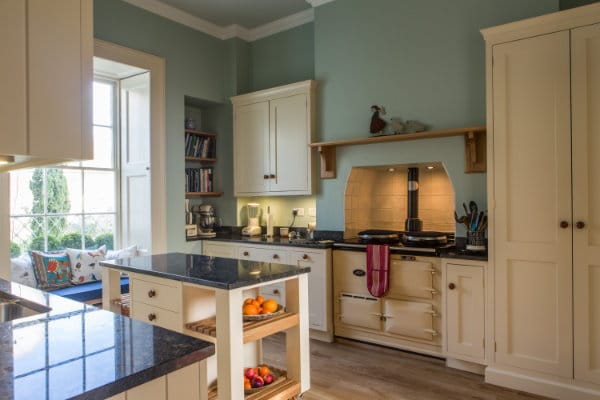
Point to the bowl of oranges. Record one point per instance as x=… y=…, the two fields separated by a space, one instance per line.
x=259 y=308
x=259 y=377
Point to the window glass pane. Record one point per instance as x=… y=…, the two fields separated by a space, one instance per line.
x=99 y=191
x=100 y=230
x=66 y=230
x=22 y=232
x=103 y=103
x=21 y=195
x=103 y=148
x=57 y=190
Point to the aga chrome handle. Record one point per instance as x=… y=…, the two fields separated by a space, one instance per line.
x=564 y=224
x=432 y=312
x=151 y=317
x=433 y=332
x=151 y=293
x=580 y=225
x=432 y=290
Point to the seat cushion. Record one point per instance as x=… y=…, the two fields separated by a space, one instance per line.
x=88 y=291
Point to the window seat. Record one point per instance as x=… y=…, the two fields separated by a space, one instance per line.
x=90 y=292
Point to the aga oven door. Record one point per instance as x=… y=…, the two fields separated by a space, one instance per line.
x=409 y=318
x=360 y=311
x=412 y=278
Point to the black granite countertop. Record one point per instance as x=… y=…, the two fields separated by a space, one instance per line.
x=217 y=272
x=77 y=351
x=264 y=240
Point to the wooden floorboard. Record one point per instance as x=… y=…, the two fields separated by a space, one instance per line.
x=349 y=370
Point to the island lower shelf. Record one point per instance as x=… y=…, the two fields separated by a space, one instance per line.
x=287 y=389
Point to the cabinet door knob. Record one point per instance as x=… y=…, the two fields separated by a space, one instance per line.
x=151 y=317
x=265 y=176
x=151 y=293
x=276 y=292
x=564 y=224
x=272 y=176
x=305 y=256
x=580 y=225
x=246 y=254
x=275 y=256
x=451 y=286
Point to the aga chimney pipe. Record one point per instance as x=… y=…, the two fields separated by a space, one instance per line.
x=413 y=223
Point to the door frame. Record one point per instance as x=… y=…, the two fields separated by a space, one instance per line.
x=156 y=66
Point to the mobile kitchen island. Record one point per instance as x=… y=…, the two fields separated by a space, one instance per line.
x=202 y=296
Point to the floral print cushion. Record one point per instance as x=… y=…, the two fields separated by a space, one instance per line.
x=52 y=270
x=85 y=264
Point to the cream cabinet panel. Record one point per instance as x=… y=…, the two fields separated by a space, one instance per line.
x=251 y=148
x=465 y=317
x=153 y=390
x=532 y=181
x=272 y=129
x=47 y=85
x=218 y=249
x=290 y=135
x=585 y=56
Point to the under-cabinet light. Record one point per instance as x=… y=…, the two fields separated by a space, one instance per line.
x=6 y=159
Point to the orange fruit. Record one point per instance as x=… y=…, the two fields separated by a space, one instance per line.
x=263 y=371
x=250 y=309
x=249 y=300
x=260 y=299
x=269 y=306
x=247 y=385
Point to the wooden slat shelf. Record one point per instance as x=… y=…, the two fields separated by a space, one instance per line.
x=475 y=155
x=287 y=389
x=199 y=133
x=205 y=194
x=253 y=330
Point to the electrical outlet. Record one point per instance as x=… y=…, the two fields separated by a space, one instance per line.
x=299 y=212
x=312 y=212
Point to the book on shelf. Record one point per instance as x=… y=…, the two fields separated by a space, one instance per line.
x=199 y=179
x=199 y=146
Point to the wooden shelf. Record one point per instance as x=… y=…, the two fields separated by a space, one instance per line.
x=200 y=159
x=253 y=330
x=204 y=194
x=475 y=156
x=286 y=389
x=199 y=133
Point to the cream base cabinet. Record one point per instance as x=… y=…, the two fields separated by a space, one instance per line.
x=47 y=54
x=543 y=140
x=464 y=296
x=272 y=129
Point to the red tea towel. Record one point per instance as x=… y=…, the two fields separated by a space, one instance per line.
x=378 y=269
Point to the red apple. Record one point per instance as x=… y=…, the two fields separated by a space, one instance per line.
x=268 y=379
x=257 y=382
x=250 y=373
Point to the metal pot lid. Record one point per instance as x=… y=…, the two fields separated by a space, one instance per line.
x=426 y=236
x=378 y=234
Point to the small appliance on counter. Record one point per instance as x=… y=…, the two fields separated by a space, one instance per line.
x=205 y=220
x=190 y=228
x=253 y=228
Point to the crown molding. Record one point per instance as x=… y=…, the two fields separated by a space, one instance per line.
x=231 y=31
x=317 y=3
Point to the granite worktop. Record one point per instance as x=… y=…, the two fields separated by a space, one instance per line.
x=78 y=351
x=216 y=272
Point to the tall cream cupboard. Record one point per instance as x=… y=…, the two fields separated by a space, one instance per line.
x=543 y=82
x=272 y=129
x=46 y=80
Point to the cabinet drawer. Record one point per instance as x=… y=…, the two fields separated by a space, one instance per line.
x=307 y=258
x=412 y=279
x=263 y=255
x=156 y=294
x=156 y=316
x=360 y=311
x=218 y=249
x=409 y=318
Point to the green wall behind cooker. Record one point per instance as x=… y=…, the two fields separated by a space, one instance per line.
x=421 y=59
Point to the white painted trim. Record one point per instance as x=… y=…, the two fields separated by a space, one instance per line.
x=317 y=3
x=156 y=66
x=230 y=31
x=5 y=272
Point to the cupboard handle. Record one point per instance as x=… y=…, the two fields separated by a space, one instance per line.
x=276 y=292
x=451 y=286
x=580 y=225
x=151 y=293
x=272 y=176
x=246 y=254
x=276 y=256
x=305 y=256
x=265 y=176
x=564 y=224
x=151 y=317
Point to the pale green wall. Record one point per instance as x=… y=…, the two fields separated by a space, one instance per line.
x=197 y=65
x=283 y=58
x=421 y=59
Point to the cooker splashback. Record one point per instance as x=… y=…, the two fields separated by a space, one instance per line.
x=376 y=197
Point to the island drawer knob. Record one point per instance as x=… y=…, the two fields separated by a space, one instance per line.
x=246 y=254
x=151 y=293
x=275 y=256
x=305 y=256
x=580 y=225
x=276 y=292
x=151 y=317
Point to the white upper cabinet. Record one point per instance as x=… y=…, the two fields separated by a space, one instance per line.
x=46 y=76
x=271 y=132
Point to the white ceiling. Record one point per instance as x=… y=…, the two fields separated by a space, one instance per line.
x=224 y=19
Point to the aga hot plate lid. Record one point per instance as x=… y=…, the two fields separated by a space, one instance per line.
x=378 y=234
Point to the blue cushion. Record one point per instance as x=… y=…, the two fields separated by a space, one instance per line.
x=88 y=291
